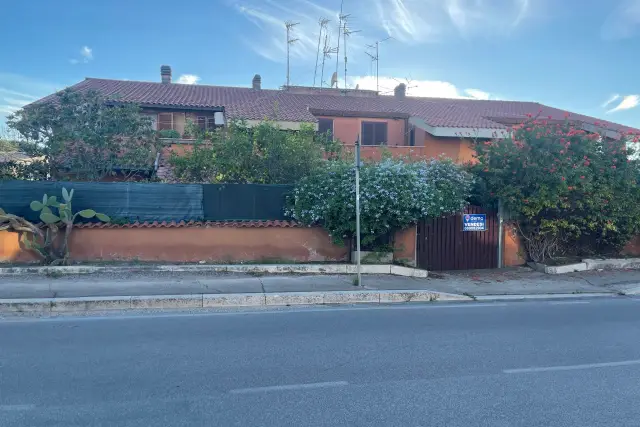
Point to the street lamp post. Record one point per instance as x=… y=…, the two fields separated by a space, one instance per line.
x=358 y=210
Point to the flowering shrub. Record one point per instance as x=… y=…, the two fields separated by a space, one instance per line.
x=571 y=190
x=393 y=195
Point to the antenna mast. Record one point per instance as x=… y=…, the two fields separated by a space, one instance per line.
x=323 y=26
x=340 y=20
x=290 y=41
x=346 y=33
x=376 y=58
x=326 y=54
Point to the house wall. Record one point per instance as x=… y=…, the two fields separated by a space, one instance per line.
x=347 y=129
x=457 y=149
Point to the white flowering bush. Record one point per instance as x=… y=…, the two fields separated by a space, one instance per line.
x=393 y=195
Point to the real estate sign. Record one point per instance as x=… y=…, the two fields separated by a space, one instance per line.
x=474 y=222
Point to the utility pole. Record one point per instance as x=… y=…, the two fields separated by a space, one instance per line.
x=290 y=41
x=358 y=211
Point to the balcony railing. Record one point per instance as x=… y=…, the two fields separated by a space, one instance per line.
x=375 y=152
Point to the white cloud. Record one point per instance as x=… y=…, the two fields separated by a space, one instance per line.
x=423 y=88
x=613 y=98
x=477 y=94
x=16 y=91
x=419 y=21
x=188 y=79
x=87 y=53
x=628 y=102
x=623 y=22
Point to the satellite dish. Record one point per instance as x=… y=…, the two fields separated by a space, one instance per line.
x=358 y=87
x=334 y=79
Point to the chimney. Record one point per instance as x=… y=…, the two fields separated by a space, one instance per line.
x=256 y=83
x=400 y=91
x=165 y=74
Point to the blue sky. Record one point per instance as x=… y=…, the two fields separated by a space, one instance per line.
x=572 y=54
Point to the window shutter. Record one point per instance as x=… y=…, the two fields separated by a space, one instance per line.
x=165 y=121
x=380 y=133
x=367 y=133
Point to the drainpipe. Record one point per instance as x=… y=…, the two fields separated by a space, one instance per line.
x=500 y=234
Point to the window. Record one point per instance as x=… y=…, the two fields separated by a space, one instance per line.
x=374 y=133
x=165 y=121
x=206 y=123
x=325 y=125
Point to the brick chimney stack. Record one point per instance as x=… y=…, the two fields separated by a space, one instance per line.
x=165 y=74
x=400 y=91
x=256 y=83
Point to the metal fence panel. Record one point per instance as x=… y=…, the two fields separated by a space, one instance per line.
x=229 y=202
x=128 y=201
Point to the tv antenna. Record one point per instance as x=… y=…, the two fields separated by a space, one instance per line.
x=290 y=41
x=326 y=54
x=375 y=57
x=346 y=32
x=341 y=18
x=323 y=28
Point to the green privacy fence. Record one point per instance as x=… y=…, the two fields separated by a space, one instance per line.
x=154 y=202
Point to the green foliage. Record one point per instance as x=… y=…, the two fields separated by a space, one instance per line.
x=393 y=195
x=48 y=246
x=264 y=154
x=572 y=191
x=169 y=133
x=82 y=136
x=8 y=146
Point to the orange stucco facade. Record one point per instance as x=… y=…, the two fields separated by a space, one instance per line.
x=202 y=243
x=347 y=129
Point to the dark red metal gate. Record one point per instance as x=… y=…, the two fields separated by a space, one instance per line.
x=442 y=245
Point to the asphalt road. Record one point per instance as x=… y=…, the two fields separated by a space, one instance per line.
x=568 y=363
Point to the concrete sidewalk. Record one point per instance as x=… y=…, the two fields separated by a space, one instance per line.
x=127 y=289
x=514 y=281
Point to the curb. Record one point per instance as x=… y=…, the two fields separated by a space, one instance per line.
x=58 y=305
x=395 y=270
x=543 y=296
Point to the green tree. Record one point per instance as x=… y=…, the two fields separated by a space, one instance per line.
x=82 y=136
x=572 y=191
x=264 y=154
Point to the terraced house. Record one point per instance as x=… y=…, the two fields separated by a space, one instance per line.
x=411 y=126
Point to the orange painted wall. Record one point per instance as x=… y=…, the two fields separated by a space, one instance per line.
x=457 y=149
x=405 y=246
x=513 y=252
x=199 y=243
x=346 y=129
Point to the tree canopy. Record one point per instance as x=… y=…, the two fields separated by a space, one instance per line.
x=82 y=136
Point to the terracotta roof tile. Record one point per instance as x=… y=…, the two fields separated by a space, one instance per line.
x=247 y=103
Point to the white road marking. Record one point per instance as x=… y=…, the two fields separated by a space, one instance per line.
x=572 y=367
x=288 y=387
x=17 y=407
x=568 y=302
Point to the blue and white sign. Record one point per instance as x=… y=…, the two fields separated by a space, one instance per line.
x=474 y=222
